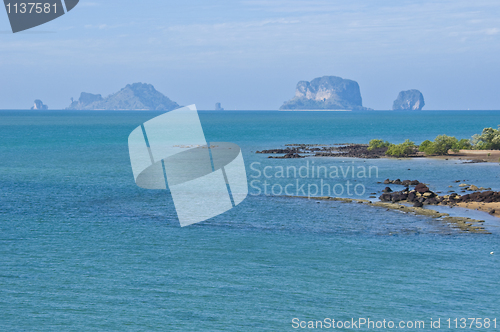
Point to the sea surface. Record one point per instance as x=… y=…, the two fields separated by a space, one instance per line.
x=82 y=248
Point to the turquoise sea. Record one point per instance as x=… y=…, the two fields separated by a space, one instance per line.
x=82 y=248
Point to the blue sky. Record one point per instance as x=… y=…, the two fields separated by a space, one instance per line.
x=251 y=54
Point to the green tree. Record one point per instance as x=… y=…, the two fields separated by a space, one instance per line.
x=463 y=144
x=377 y=143
x=488 y=140
x=404 y=149
x=443 y=143
x=425 y=145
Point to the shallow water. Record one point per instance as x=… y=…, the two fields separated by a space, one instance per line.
x=83 y=248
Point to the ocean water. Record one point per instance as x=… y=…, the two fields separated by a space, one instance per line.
x=82 y=248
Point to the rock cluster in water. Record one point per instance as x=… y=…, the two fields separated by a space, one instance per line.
x=318 y=150
x=422 y=195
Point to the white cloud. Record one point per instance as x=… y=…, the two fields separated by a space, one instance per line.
x=492 y=31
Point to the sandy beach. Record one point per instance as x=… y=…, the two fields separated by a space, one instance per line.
x=492 y=156
x=486 y=207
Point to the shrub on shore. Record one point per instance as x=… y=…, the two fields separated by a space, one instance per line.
x=426 y=146
x=377 y=144
x=488 y=140
x=404 y=149
x=442 y=144
x=464 y=144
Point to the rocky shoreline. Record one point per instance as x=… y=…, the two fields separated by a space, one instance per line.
x=421 y=195
x=318 y=150
x=414 y=201
x=464 y=224
x=351 y=150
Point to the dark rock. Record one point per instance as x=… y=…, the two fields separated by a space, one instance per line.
x=386 y=197
x=421 y=188
x=387 y=181
x=412 y=197
x=387 y=190
x=418 y=204
x=351 y=151
x=396 y=197
x=290 y=155
x=492 y=211
x=285 y=151
x=432 y=201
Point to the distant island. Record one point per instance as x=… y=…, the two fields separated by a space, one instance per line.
x=409 y=100
x=38 y=105
x=218 y=107
x=137 y=96
x=326 y=93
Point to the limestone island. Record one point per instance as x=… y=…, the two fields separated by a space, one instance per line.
x=137 y=96
x=326 y=93
x=218 y=107
x=38 y=105
x=411 y=100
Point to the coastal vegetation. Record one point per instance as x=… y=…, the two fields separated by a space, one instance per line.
x=405 y=149
x=489 y=139
x=442 y=144
x=377 y=144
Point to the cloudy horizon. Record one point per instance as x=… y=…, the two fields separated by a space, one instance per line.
x=251 y=54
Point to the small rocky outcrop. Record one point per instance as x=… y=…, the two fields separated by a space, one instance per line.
x=218 y=107
x=406 y=183
x=422 y=195
x=411 y=100
x=318 y=150
x=290 y=155
x=38 y=105
x=327 y=92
